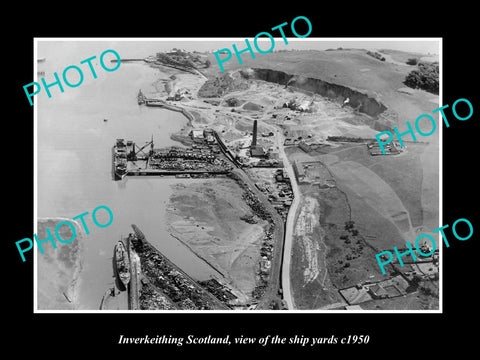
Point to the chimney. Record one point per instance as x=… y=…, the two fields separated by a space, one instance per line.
x=254 y=139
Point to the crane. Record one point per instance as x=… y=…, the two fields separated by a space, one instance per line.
x=132 y=156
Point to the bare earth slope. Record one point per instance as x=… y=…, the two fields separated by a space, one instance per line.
x=206 y=216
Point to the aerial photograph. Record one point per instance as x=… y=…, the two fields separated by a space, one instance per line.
x=262 y=187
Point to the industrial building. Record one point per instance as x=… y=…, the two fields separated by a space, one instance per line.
x=256 y=150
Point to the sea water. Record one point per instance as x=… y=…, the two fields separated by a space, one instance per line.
x=74 y=157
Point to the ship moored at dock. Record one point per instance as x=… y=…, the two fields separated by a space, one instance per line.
x=122 y=265
x=201 y=159
x=141 y=97
x=120 y=159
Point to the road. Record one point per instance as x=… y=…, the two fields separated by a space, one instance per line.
x=290 y=224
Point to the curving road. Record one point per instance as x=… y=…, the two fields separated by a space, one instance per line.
x=290 y=225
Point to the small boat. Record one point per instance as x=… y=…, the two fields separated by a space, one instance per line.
x=141 y=98
x=105 y=120
x=41 y=59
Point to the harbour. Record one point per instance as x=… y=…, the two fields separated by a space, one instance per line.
x=79 y=155
x=199 y=156
x=203 y=158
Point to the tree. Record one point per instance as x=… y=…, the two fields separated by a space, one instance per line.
x=426 y=291
x=424 y=77
x=414 y=283
x=412 y=61
x=207 y=63
x=349 y=224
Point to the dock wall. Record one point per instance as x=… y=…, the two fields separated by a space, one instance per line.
x=176 y=284
x=163 y=104
x=145 y=172
x=126 y=60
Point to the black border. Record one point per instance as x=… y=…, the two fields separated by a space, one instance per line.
x=85 y=334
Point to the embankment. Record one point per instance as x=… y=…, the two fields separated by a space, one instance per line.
x=357 y=100
x=163 y=104
x=126 y=60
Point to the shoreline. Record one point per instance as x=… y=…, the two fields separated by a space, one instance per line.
x=71 y=287
x=165 y=105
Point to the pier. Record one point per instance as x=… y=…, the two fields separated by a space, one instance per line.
x=126 y=60
x=178 y=174
x=163 y=104
x=204 y=158
x=142 y=99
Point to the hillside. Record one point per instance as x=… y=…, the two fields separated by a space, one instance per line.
x=349 y=67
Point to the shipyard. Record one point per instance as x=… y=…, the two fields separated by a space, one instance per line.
x=266 y=191
x=260 y=188
x=195 y=161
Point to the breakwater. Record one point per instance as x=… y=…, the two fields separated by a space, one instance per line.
x=163 y=104
x=179 y=174
x=173 y=66
x=126 y=60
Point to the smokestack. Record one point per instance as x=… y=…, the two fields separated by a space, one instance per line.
x=254 y=139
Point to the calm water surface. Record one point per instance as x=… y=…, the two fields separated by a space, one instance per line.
x=74 y=154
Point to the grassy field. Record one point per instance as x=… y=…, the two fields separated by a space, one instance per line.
x=371 y=188
x=352 y=68
x=383 y=234
x=402 y=56
x=334 y=205
x=339 y=66
x=403 y=174
x=342 y=258
x=350 y=261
